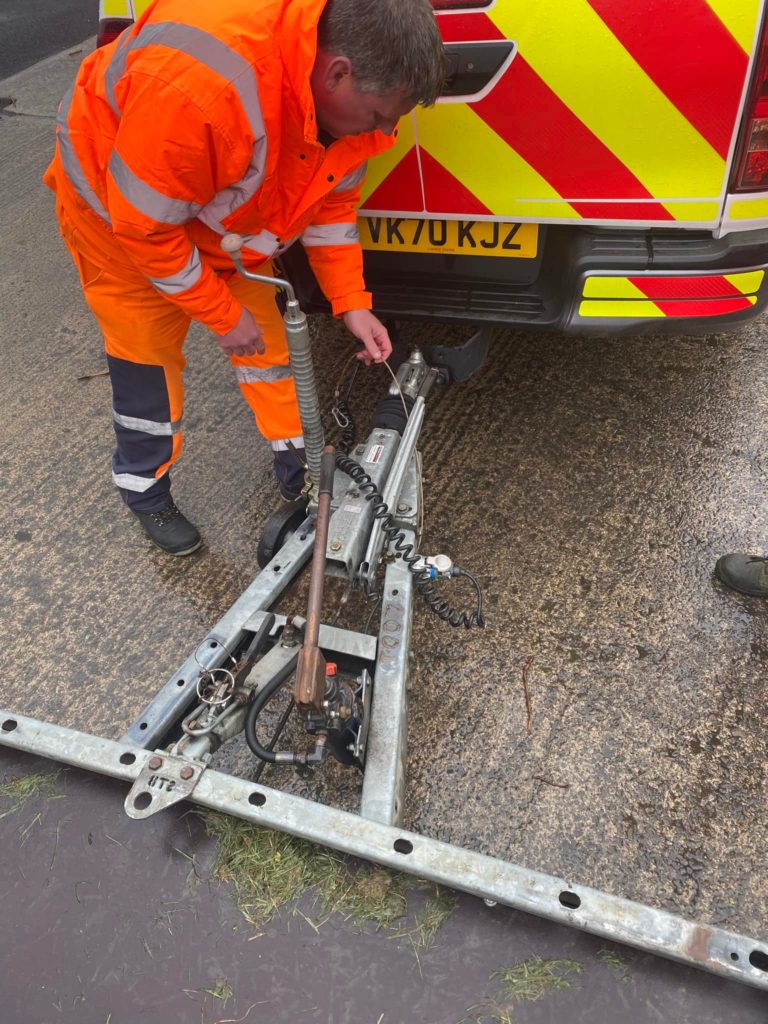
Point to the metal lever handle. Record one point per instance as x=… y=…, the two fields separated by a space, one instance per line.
x=233 y=245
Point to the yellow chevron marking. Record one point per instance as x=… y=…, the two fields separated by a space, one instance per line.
x=747 y=209
x=631 y=115
x=746 y=283
x=592 y=308
x=698 y=212
x=382 y=166
x=485 y=164
x=612 y=288
x=739 y=17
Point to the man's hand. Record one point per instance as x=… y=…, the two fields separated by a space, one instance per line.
x=373 y=334
x=244 y=339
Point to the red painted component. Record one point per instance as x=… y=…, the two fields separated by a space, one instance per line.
x=709 y=285
x=705 y=307
x=401 y=189
x=460 y=28
x=670 y=45
x=688 y=296
x=110 y=29
x=331 y=668
x=544 y=140
x=444 y=192
x=752 y=152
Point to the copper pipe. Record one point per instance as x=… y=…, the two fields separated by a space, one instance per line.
x=310 y=671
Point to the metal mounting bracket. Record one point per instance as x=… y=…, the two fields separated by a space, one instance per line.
x=163 y=781
x=460 y=362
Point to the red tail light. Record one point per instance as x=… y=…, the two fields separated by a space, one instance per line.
x=752 y=152
x=110 y=29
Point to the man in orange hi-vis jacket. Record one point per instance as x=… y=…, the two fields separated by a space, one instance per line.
x=247 y=116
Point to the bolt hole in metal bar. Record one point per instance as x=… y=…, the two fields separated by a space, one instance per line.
x=696 y=945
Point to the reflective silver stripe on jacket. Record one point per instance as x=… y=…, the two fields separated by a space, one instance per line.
x=185 y=278
x=232 y=67
x=282 y=446
x=71 y=164
x=264 y=242
x=353 y=179
x=201 y=46
x=234 y=196
x=259 y=375
x=129 y=482
x=147 y=426
x=146 y=199
x=331 y=234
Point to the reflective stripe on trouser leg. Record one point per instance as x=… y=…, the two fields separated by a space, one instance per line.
x=147 y=441
x=265 y=380
x=143 y=335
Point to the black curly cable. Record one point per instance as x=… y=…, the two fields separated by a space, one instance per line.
x=437 y=604
x=347 y=439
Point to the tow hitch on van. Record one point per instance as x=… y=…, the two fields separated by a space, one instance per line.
x=360 y=523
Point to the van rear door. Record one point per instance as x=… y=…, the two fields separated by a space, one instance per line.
x=610 y=112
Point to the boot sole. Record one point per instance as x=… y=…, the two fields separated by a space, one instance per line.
x=732 y=585
x=176 y=554
x=186 y=551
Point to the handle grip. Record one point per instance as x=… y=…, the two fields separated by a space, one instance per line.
x=232 y=244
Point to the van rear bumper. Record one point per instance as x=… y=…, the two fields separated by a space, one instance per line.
x=678 y=282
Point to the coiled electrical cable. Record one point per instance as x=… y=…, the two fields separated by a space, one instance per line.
x=442 y=608
x=341 y=411
x=343 y=416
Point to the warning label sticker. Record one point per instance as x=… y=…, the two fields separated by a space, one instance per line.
x=374 y=455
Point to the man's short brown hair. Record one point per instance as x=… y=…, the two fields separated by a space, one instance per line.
x=391 y=45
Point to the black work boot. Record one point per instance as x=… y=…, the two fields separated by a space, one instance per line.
x=170 y=530
x=745 y=573
x=289 y=470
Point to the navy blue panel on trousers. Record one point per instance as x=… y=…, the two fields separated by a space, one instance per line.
x=139 y=392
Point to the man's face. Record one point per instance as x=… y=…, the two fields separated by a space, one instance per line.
x=341 y=109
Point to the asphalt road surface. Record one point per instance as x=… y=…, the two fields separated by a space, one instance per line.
x=590 y=484
x=33 y=29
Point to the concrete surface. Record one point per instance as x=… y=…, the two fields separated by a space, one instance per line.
x=591 y=484
x=111 y=926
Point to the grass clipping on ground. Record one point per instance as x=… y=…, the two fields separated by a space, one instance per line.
x=527 y=981
x=269 y=870
x=19 y=790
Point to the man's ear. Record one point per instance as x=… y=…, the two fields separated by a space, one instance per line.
x=337 y=71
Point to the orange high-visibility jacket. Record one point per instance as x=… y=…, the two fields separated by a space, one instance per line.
x=198 y=121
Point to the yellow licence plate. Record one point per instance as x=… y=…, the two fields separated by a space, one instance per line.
x=453 y=237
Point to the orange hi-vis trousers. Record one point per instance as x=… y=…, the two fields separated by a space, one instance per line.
x=144 y=335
